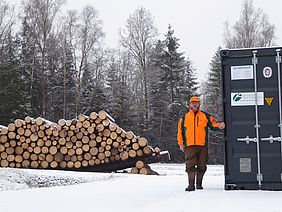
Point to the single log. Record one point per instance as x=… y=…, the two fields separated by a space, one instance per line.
x=90 y=129
x=85 y=139
x=84 y=163
x=4 y=130
x=144 y=171
x=58 y=157
x=45 y=150
x=139 y=164
x=148 y=150
x=135 y=146
x=100 y=127
x=94 y=151
x=79 y=151
x=34 y=157
x=12 y=135
x=132 y=153
x=25 y=163
x=26 y=155
x=44 y=164
x=19 y=150
x=124 y=155
x=10 y=150
x=54 y=164
x=4 y=163
x=2 y=148
x=85 y=147
x=77 y=164
x=112 y=127
x=49 y=158
x=19 y=158
x=81 y=118
x=113 y=135
x=106 y=122
x=114 y=151
x=63 y=164
x=3 y=138
x=41 y=157
x=20 y=131
x=68 y=123
x=134 y=170
x=33 y=137
x=106 y=133
x=129 y=135
x=27 y=133
x=157 y=150
x=64 y=150
x=93 y=115
x=107 y=154
x=102 y=114
x=11 y=127
x=10 y=158
x=19 y=123
x=70 y=164
x=142 y=142
x=62 y=122
x=86 y=124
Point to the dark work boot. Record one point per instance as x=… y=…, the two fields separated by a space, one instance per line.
x=199 y=186
x=191 y=186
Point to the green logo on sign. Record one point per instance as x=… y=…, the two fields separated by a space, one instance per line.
x=237 y=97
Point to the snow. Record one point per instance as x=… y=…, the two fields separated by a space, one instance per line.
x=51 y=191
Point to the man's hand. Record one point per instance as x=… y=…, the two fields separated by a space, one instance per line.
x=221 y=125
x=182 y=147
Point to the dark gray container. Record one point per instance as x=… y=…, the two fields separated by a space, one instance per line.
x=252 y=113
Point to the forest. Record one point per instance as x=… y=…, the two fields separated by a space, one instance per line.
x=54 y=64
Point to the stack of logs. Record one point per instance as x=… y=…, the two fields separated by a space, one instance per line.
x=142 y=168
x=82 y=142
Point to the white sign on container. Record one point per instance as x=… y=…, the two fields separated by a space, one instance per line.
x=246 y=98
x=242 y=72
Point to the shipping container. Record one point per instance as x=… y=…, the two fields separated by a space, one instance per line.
x=252 y=113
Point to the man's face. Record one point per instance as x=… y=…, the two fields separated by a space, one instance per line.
x=195 y=106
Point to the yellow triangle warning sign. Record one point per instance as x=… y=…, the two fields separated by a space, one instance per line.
x=269 y=100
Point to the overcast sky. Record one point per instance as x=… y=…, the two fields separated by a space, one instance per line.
x=198 y=24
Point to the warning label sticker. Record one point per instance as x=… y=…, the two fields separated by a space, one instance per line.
x=246 y=99
x=269 y=100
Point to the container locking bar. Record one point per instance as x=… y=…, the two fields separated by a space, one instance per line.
x=271 y=139
x=247 y=139
x=278 y=61
x=255 y=62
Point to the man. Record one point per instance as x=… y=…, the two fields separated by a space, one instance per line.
x=192 y=138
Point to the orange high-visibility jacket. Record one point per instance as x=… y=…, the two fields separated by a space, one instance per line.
x=193 y=129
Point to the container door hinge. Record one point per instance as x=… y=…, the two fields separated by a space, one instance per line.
x=259 y=177
x=278 y=59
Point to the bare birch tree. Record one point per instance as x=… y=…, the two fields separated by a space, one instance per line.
x=6 y=19
x=253 y=29
x=40 y=17
x=89 y=36
x=138 y=36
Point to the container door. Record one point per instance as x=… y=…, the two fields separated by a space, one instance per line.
x=252 y=111
x=269 y=81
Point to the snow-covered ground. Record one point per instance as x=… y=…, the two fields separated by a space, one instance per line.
x=51 y=191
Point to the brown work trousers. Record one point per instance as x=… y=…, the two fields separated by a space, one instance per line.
x=196 y=158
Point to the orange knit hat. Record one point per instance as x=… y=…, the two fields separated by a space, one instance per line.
x=194 y=99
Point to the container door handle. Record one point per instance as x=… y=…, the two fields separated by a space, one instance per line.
x=271 y=139
x=247 y=139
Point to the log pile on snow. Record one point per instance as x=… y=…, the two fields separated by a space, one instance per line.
x=142 y=168
x=82 y=142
